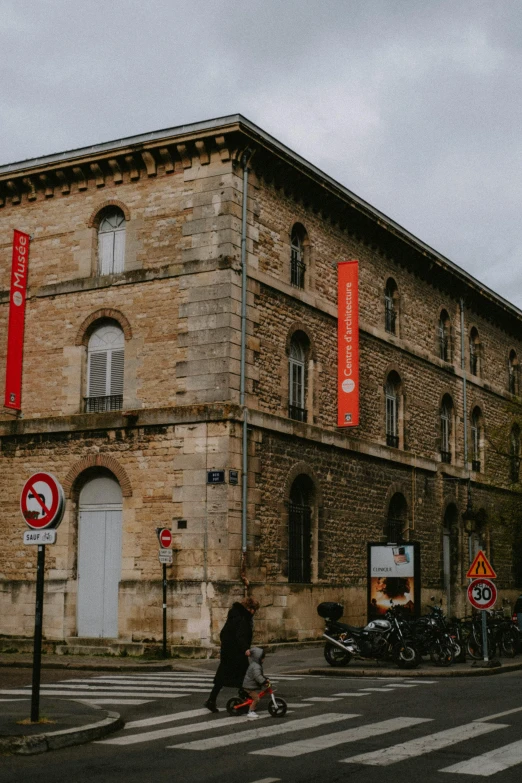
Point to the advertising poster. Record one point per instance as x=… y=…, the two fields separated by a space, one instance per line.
x=393 y=578
x=348 y=344
x=15 y=332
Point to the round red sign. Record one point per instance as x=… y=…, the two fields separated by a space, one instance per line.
x=482 y=593
x=42 y=501
x=165 y=537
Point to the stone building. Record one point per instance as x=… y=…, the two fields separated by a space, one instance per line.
x=143 y=373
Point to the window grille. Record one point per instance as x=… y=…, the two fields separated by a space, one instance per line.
x=299 y=543
x=444 y=343
x=392 y=418
x=514 y=455
x=475 y=441
x=390 y=315
x=111 y=243
x=394 y=528
x=297 y=266
x=296 y=371
x=473 y=355
x=445 y=433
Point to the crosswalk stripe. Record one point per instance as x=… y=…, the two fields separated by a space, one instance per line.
x=422 y=745
x=140 y=680
x=358 y=693
x=268 y=731
x=422 y=682
x=301 y=747
x=323 y=698
x=489 y=763
x=116 y=701
x=148 y=736
x=384 y=689
x=499 y=715
x=402 y=685
x=58 y=692
x=127 y=688
x=175 y=716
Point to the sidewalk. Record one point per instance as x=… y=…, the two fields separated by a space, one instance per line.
x=75 y=722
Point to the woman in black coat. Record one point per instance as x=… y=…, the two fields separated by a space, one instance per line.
x=236 y=640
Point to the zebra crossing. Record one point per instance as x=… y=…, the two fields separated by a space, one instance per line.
x=195 y=731
x=126 y=689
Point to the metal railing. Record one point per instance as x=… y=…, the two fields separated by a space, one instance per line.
x=297 y=272
x=113 y=402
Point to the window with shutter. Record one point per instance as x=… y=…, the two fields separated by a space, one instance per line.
x=105 y=369
x=111 y=243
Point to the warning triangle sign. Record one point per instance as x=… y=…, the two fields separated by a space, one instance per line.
x=480 y=567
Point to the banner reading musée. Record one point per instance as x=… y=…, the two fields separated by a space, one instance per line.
x=347 y=344
x=393 y=578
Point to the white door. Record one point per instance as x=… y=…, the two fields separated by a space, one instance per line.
x=99 y=558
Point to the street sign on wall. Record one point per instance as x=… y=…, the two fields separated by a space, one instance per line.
x=482 y=593
x=42 y=501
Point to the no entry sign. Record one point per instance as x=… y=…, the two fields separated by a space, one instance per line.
x=482 y=593
x=165 y=537
x=42 y=501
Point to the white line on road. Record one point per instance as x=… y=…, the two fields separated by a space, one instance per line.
x=141 y=694
x=422 y=682
x=358 y=693
x=385 y=689
x=127 y=688
x=148 y=736
x=489 y=763
x=499 y=715
x=267 y=780
x=268 y=731
x=401 y=685
x=301 y=747
x=298 y=705
x=117 y=702
x=186 y=715
x=322 y=698
x=422 y=745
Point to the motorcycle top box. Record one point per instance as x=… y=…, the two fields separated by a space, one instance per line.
x=329 y=610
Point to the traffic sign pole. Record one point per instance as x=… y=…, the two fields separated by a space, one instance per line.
x=37 y=648
x=164 y=610
x=485 y=636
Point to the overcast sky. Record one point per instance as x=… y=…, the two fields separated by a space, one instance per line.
x=414 y=105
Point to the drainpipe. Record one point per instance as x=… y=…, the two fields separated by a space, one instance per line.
x=245 y=160
x=464 y=400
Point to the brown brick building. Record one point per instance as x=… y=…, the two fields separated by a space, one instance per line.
x=133 y=391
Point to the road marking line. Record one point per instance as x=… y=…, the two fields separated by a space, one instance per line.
x=301 y=747
x=138 y=724
x=358 y=693
x=142 y=694
x=128 y=688
x=268 y=731
x=498 y=715
x=322 y=698
x=267 y=780
x=137 y=681
x=148 y=736
x=489 y=763
x=400 y=685
x=423 y=682
x=14 y=699
x=422 y=745
x=377 y=690
x=118 y=702
x=298 y=705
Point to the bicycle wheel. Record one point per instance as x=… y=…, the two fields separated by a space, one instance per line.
x=509 y=642
x=441 y=654
x=277 y=710
x=234 y=708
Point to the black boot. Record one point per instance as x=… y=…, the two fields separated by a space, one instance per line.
x=211 y=705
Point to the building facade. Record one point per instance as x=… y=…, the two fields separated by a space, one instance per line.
x=182 y=320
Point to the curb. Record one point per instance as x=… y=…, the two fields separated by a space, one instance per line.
x=479 y=671
x=55 y=740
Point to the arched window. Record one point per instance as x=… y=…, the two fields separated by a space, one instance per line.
x=105 y=359
x=391 y=307
x=396 y=520
x=297 y=256
x=474 y=352
x=299 y=347
x=446 y=428
x=393 y=399
x=513 y=373
x=444 y=337
x=514 y=453
x=300 y=530
x=111 y=242
x=477 y=439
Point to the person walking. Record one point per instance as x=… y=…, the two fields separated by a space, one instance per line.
x=236 y=639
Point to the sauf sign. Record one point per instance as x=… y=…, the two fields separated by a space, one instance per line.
x=15 y=336
x=347 y=344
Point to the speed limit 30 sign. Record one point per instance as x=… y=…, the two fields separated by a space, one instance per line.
x=482 y=593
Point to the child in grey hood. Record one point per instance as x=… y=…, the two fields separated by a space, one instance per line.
x=255 y=678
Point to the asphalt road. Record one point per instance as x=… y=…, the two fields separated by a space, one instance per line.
x=337 y=729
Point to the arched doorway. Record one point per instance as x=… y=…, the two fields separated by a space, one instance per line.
x=450 y=552
x=99 y=557
x=397 y=518
x=300 y=530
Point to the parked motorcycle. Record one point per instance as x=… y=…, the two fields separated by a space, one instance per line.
x=432 y=637
x=382 y=639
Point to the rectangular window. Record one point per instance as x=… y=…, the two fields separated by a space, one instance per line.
x=299 y=543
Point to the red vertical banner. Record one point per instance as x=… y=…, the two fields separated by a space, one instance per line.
x=15 y=334
x=348 y=344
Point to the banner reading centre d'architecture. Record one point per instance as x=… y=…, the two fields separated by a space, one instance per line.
x=348 y=344
x=15 y=334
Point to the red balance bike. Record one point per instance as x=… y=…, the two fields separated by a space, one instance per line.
x=238 y=705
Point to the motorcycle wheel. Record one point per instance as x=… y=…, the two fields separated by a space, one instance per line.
x=335 y=656
x=233 y=706
x=280 y=710
x=406 y=656
x=441 y=654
